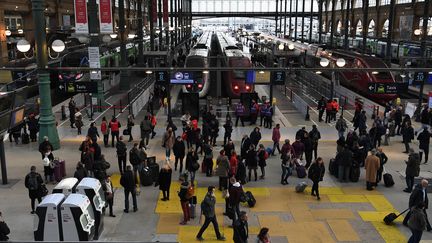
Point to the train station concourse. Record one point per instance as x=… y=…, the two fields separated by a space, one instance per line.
x=242 y=121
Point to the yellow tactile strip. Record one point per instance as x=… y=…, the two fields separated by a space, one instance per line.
x=306 y=224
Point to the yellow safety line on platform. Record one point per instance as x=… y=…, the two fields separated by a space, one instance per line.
x=343 y=230
x=390 y=233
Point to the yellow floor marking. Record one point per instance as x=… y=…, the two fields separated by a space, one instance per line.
x=372 y=216
x=332 y=214
x=301 y=213
x=258 y=191
x=168 y=223
x=326 y=190
x=343 y=230
x=187 y=234
x=359 y=191
x=308 y=232
x=274 y=223
x=171 y=206
x=380 y=202
x=265 y=204
x=347 y=198
x=390 y=233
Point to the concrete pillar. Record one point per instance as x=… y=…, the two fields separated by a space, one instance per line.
x=3 y=43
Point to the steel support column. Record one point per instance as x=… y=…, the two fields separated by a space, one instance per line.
x=295 y=20
x=311 y=21
x=285 y=17
x=280 y=19
x=159 y=13
x=124 y=79
x=320 y=22
x=140 y=34
x=390 y=31
x=303 y=18
x=290 y=32
x=346 y=29
x=423 y=47
x=365 y=24
x=46 y=119
x=276 y=18
x=151 y=18
x=332 y=22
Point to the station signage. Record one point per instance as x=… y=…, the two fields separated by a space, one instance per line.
x=81 y=20
x=105 y=17
x=387 y=88
x=418 y=78
x=94 y=62
x=161 y=76
x=260 y=77
x=78 y=87
x=278 y=77
x=182 y=78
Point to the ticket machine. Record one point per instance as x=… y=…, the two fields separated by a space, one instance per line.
x=77 y=220
x=47 y=220
x=92 y=188
x=66 y=186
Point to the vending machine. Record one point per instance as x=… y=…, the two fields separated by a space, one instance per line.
x=77 y=219
x=66 y=186
x=47 y=219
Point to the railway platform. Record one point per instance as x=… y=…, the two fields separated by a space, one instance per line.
x=347 y=212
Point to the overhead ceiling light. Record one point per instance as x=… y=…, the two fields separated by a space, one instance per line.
x=403 y=75
x=16 y=7
x=374 y=72
x=430 y=72
x=58 y=46
x=113 y=35
x=318 y=72
x=149 y=72
x=281 y=46
x=417 y=32
x=261 y=72
x=131 y=36
x=20 y=31
x=8 y=33
x=205 y=71
x=291 y=46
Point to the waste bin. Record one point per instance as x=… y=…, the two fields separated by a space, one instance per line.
x=47 y=219
x=66 y=186
x=92 y=188
x=77 y=219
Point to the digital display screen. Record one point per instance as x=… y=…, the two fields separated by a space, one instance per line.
x=17 y=116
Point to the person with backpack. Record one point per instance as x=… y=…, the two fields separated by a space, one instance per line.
x=185 y=195
x=135 y=160
x=412 y=169
x=344 y=160
x=222 y=170
x=114 y=125
x=417 y=223
x=121 y=151
x=241 y=228
x=208 y=159
x=4 y=229
x=105 y=131
x=262 y=157
x=146 y=130
x=341 y=126
x=419 y=196
x=80 y=171
x=316 y=174
x=276 y=138
x=208 y=210
x=130 y=124
x=33 y=126
x=235 y=193
x=34 y=183
x=127 y=181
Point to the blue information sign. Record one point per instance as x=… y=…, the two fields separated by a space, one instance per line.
x=182 y=78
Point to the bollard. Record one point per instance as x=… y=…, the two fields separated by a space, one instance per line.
x=121 y=107
x=63 y=113
x=114 y=110
x=307 y=117
x=100 y=105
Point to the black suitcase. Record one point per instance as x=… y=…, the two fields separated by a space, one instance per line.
x=25 y=138
x=154 y=168
x=146 y=177
x=354 y=175
x=388 y=180
x=251 y=201
x=389 y=218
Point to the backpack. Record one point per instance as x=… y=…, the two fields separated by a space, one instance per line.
x=190 y=192
x=33 y=182
x=266 y=155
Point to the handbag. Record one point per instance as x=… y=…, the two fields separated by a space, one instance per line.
x=43 y=190
x=126 y=132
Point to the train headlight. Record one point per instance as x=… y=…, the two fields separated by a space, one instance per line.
x=247 y=87
x=291 y=47
x=236 y=87
x=340 y=62
x=324 y=62
x=200 y=86
x=188 y=86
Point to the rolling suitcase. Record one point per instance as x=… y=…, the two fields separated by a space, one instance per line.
x=389 y=218
x=269 y=151
x=192 y=206
x=250 y=199
x=388 y=180
x=62 y=165
x=146 y=177
x=300 y=187
x=57 y=171
x=154 y=169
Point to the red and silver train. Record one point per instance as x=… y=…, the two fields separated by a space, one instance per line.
x=356 y=80
x=199 y=57
x=235 y=80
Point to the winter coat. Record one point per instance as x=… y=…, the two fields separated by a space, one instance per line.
x=424 y=139
x=190 y=160
x=372 y=164
x=235 y=192
x=413 y=165
x=241 y=231
x=298 y=148
x=316 y=172
x=121 y=148
x=255 y=137
x=276 y=135
x=344 y=158
x=223 y=166
x=104 y=128
x=88 y=160
x=228 y=127
x=179 y=149
x=145 y=127
x=127 y=181
x=208 y=206
x=4 y=231
x=245 y=145
x=165 y=179
x=80 y=173
x=261 y=158
x=416 y=197
x=229 y=148
x=37 y=192
x=233 y=165
x=315 y=135
x=168 y=140
x=251 y=159
x=93 y=133
x=417 y=220
x=424 y=116
x=183 y=191
x=308 y=145
x=407 y=134
x=241 y=172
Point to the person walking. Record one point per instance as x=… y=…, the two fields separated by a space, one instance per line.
x=179 y=150
x=33 y=182
x=114 y=125
x=383 y=160
x=424 y=141
x=109 y=194
x=93 y=133
x=417 y=223
x=72 y=109
x=241 y=229
x=168 y=142
x=321 y=108
x=316 y=174
x=262 y=157
x=412 y=169
x=129 y=126
x=315 y=136
x=222 y=170
x=419 y=197
x=4 y=229
x=372 y=165
x=33 y=126
x=276 y=138
x=185 y=194
x=127 y=181
x=251 y=162
x=308 y=149
x=165 y=180
x=228 y=126
x=208 y=159
x=78 y=121
x=146 y=130
x=235 y=193
x=255 y=136
x=192 y=164
x=80 y=171
x=263 y=236
x=287 y=153
x=121 y=151
x=407 y=135
x=341 y=126
x=244 y=146
x=233 y=163
x=298 y=147
x=229 y=147
x=105 y=131
x=208 y=210
x=344 y=160
x=135 y=160
x=48 y=163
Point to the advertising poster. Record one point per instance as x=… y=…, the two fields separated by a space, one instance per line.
x=81 y=20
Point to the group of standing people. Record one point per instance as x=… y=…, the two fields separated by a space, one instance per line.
x=264 y=111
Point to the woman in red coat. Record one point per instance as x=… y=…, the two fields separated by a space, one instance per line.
x=233 y=163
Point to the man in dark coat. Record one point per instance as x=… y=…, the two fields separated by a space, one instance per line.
x=235 y=192
x=33 y=126
x=179 y=150
x=424 y=140
x=33 y=182
x=321 y=108
x=72 y=107
x=419 y=197
x=398 y=120
x=344 y=160
x=244 y=146
x=241 y=229
x=92 y=132
x=165 y=181
x=412 y=169
x=121 y=150
x=315 y=136
x=4 y=229
x=255 y=136
x=308 y=149
x=208 y=210
x=407 y=135
x=300 y=133
x=425 y=116
x=127 y=180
